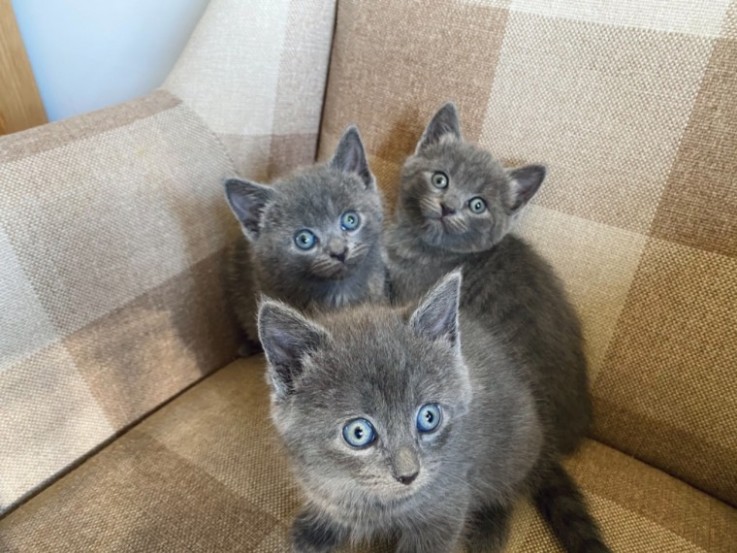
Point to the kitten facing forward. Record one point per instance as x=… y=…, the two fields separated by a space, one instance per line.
x=457 y=205
x=312 y=240
x=415 y=426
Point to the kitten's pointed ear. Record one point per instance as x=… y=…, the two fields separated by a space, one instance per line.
x=525 y=183
x=350 y=156
x=287 y=337
x=436 y=318
x=444 y=123
x=247 y=200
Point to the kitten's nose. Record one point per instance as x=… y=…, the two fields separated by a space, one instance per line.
x=445 y=210
x=405 y=465
x=340 y=256
x=337 y=250
x=407 y=479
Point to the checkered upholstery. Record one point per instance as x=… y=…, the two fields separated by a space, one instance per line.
x=112 y=228
x=632 y=107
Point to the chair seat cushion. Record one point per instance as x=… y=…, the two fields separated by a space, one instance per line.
x=206 y=473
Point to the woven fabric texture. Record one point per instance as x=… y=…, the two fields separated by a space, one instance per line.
x=632 y=106
x=112 y=227
x=206 y=473
x=255 y=71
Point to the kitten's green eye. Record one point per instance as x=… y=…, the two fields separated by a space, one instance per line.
x=359 y=433
x=305 y=239
x=429 y=417
x=477 y=205
x=439 y=179
x=350 y=220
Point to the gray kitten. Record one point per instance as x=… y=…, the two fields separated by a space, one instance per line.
x=398 y=429
x=456 y=208
x=312 y=240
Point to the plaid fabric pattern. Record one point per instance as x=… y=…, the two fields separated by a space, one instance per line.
x=255 y=71
x=112 y=227
x=205 y=473
x=632 y=106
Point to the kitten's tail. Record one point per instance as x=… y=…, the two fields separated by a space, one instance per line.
x=561 y=504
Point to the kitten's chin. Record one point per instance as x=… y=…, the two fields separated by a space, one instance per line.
x=435 y=232
x=336 y=271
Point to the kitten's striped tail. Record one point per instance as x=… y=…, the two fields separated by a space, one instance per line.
x=561 y=504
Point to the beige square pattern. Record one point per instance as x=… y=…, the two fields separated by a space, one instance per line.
x=256 y=70
x=228 y=73
x=670 y=372
x=147 y=224
x=701 y=17
x=596 y=262
x=105 y=224
x=49 y=420
x=24 y=325
x=604 y=109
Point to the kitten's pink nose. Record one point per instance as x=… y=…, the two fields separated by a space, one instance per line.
x=445 y=210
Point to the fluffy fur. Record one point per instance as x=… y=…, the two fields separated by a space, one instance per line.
x=506 y=284
x=426 y=491
x=344 y=267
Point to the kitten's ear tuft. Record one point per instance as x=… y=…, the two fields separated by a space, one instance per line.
x=350 y=156
x=444 y=123
x=287 y=337
x=525 y=183
x=247 y=200
x=436 y=318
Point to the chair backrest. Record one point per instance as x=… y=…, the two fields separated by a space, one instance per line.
x=632 y=106
x=256 y=72
x=113 y=225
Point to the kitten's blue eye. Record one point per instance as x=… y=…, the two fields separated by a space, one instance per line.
x=429 y=417
x=439 y=179
x=350 y=220
x=477 y=205
x=359 y=433
x=305 y=239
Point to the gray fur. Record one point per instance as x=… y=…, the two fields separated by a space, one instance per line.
x=267 y=260
x=384 y=363
x=506 y=284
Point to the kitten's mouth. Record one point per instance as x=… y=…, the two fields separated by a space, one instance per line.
x=445 y=224
x=334 y=269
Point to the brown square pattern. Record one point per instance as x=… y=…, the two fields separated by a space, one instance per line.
x=390 y=78
x=667 y=390
x=143 y=353
x=699 y=205
x=604 y=107
x=136 y=495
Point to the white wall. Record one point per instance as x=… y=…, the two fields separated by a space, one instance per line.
x=88 y=54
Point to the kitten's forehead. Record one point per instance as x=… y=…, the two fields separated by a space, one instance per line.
x=317 y=195
x=376 y=363
x=470 y=167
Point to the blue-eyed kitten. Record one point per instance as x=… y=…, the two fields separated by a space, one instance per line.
x=415 y=425
x=457 y=206
x=312 y=240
